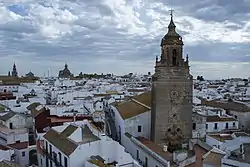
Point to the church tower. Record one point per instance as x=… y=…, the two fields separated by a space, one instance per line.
x=172 y=92
x=14 y=71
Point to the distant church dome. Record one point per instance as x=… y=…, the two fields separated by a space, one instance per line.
x=65 y=73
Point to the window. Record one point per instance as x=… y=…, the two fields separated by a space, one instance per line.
x=233 y=124
x=206 y=126
x=139 y=128
x=194 y=126
x=47 y=162
x=23 y=154
x=11 y=125
x=146 y=161
x=60 y=158
x=226 y=125
x=46 y=146
x=18 y=141
x=65 y=162
x=50 y=149
x=137 y=154
x=174 y=58
x=215 y=126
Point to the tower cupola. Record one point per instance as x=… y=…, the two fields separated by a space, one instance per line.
x=172 y=37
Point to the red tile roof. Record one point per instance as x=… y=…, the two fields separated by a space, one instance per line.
x=199 y=152
x=19 y=146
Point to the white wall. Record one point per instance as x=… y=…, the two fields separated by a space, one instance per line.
x=143 y=120
x=152 y=162
x=22 y=156
x=243 y=118
x=213 y=142
x=200 y=123
x=9 y=88
x=107 y=148
x=221 y=126
x=119 y=123
x=229 y=163
x=13 y=137
x=77 y=135
x=6 y=154
x=17 y=121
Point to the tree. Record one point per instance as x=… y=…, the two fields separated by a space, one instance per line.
x=200 y=78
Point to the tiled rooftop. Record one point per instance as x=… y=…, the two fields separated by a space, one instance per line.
x=216 y=118
x=132 y=108
x=155 y=148
x=221 y=137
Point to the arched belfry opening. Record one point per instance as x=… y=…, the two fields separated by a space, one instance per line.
x=174 y=58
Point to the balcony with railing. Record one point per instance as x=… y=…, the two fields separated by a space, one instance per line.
x=52 y=156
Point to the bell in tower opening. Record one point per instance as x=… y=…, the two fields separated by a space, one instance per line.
x=172 y=91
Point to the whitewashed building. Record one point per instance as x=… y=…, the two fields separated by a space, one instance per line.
x=14 y=135
x=9 y=88
x=133 y=127
x=66 y=146
x=133 y=117
x=199 y=125
x=217 y=123
x=238 y=157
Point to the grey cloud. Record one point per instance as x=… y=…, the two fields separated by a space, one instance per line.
x=99 y=38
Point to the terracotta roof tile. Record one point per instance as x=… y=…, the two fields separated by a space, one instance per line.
x=7 y=116
x=220 y=119
x=155 y=148
x=129 y=109
x=19 y=146
x=68 y=130
x=33 y=105
x=63 y=144
x=220 y=137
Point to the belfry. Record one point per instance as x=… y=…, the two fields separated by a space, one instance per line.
x=172 y=90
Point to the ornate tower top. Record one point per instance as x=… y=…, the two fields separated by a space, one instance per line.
x=14 y=66
x=14 y=70
x=172 y=37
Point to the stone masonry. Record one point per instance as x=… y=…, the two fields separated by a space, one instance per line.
x=172 y=92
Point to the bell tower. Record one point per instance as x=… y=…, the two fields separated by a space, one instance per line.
x=172 y=91
x=14 y=70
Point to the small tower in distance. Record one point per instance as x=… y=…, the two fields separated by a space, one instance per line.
x=14 y=71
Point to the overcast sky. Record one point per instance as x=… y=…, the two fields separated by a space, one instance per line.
x=122 y=36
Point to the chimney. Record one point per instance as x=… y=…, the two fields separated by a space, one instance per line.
x=165 y=148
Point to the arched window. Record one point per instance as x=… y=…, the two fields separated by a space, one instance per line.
x=174 y=58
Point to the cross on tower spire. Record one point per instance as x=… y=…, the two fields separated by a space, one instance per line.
x=171 y=12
